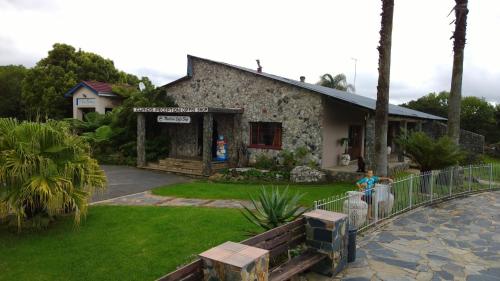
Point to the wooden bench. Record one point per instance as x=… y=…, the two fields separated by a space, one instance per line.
x=277 y=241
x=281 y=239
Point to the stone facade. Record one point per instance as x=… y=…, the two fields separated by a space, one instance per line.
x=327 y=233
x=263 y=100
x=305 y=174
x=469 y=141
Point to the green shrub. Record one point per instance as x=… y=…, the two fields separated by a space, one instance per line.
x=301 y=154
x=289 y=159
x=272 y=209
x=45 y=171
x=265 y=162
x=428 y=153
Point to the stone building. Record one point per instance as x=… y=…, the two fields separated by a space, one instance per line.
x=92 y=96
x=260 y=113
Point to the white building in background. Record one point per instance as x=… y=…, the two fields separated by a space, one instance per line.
x=93 y=96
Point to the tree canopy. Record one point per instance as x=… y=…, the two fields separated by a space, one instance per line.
x=45 y=84
x=338 y=82
x=477 y=115
x=11 y=77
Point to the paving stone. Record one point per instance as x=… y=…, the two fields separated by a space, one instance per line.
x=450 y=241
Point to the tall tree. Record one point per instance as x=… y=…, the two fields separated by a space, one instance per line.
x=11 y=77
x=45 y=84
x=384 y=77
x=432 y=103
x=476 y=114
x=461 y=12
x=338 y=82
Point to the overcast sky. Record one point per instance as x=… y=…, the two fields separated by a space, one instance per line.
x=291 y=38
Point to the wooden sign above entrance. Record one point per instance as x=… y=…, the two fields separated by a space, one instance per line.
x=171 y=109
x=188 y=110
x=174 y=119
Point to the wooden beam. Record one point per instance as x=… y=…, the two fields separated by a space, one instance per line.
x=208 y=123
x=141 y=140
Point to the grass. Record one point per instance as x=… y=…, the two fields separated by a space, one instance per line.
x=243 y=191
x=490 y=159
x=118 y=243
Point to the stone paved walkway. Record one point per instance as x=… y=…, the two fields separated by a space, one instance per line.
x=146 y=198
x=455 y=240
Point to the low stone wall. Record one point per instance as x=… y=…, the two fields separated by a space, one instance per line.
x=469 y=141
x=348 y=176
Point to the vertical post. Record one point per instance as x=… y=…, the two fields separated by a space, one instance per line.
x=141 y=140
x=208 y=121
x=470 y=177
x=236 y=158
x=432 y=184
x=451 y=180
x=350 y=222
x=491 y=175
x=411 y=191
x=374 y=199
x=403 y=130
x=419 y=126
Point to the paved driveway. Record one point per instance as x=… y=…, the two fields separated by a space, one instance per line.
x=455 y=240
x=124 y=180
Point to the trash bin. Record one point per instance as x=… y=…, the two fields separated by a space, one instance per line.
x=351 y=245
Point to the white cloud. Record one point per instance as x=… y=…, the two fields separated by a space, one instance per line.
x=291 y=38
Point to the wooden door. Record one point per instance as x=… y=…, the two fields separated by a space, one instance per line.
x=355 y=141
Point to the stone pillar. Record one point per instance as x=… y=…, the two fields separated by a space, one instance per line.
x=236 y=158
x=208 y=126
x=403 y=129
x=141 y=140
x=326 y=232
x=370 y=142
x=235 y=262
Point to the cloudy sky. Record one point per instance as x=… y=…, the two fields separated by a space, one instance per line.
x=291 y=38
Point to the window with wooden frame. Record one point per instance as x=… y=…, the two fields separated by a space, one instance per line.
x=265 y=135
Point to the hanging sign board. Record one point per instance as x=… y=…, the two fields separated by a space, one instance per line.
x=174 y=119
x=85 y=102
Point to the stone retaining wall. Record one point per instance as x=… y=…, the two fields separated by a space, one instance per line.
x=469 y=141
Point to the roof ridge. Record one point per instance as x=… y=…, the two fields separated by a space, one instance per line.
x=353 y=98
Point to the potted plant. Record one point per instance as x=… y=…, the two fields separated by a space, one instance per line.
x=345 y=158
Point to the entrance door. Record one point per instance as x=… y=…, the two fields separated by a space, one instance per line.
x=355 y=141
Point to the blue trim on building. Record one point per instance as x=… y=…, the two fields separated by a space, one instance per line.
x=78 y=86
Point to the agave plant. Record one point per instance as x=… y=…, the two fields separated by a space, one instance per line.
x=272 y=209
x=45 y=170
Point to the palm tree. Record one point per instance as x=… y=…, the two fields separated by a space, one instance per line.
x=338 y=82
x=44 y=171
x=454 y=101
x=384 y=73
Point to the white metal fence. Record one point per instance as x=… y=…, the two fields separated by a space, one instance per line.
x=368 y=207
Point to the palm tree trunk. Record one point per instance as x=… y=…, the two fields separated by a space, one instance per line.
x=384 y=74
x=455 y=99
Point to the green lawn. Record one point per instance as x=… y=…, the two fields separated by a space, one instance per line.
x=243 y=191
x=118 y=243
x=490 y=159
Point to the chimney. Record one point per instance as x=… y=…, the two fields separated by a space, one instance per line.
x=302 y=79
x=259 y=68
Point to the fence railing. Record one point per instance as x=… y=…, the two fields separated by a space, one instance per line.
x=366 y=208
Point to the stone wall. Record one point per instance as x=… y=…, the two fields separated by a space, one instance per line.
x=469 y=141
x=263 y=100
